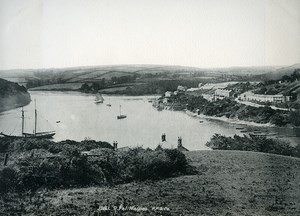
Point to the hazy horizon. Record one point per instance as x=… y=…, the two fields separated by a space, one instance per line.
x=45 y=34
x=141 y=65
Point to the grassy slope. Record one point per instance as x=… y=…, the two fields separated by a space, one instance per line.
x=63 y=86
x=228 y=183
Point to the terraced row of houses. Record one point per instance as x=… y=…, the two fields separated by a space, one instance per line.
x=250 y=96
x=219 y=91
x=213 y=92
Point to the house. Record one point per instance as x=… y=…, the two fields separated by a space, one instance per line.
x=200 y=85
x=209 y=97
x=180 y=147
x=166 y=100
x=222 y=93
x=221 y=85
x=181 y=88
x=168 y=94
x=124 y=149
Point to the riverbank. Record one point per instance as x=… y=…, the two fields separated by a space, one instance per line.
x=228 y=183
x=232 y=110
x=230 y=121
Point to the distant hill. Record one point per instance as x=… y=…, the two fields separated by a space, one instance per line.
x=279 y=72
x=12 y=95
x=79 y=74
x=111 y=75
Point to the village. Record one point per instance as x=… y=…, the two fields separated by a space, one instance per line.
x=233 y=90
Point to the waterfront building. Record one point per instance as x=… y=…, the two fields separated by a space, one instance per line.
x=181 y=88
x=222 y=93
x=209 y=97
x=168 y=94
x=166 y=100
x=221 y=85
x=200 y=85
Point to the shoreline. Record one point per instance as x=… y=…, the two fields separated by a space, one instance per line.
x=230 y=121
x=15 y=106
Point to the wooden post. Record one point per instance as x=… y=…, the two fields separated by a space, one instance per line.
x=22 y=122
x=5 y=159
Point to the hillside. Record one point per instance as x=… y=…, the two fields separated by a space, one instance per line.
x=39 y=77
x=12 y=95
x=281 y=71
x=228 y=183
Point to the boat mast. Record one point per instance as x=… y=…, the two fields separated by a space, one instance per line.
x=22 y=122
x=35 y=117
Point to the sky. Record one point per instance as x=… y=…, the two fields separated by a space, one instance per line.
x=199 y=33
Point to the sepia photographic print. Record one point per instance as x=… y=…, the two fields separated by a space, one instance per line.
x=149 y=107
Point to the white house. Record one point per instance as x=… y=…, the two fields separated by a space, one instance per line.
x=222 y=93
x=168 y=94
x=209 y=97
x=181 y=88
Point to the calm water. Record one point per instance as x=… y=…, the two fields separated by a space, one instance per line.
x=76 y=116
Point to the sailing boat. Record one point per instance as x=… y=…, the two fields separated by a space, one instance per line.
x=35 y=134
x=99 y=98
x=121 y=116
x=108 y=102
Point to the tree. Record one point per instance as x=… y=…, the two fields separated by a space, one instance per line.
x=294 y=117
x=85 y=88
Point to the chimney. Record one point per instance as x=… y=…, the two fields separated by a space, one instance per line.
x=179 y=142
x=163 y=137
x=115 y=144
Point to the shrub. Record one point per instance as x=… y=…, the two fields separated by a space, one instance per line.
x=7 y=179
x=253 y=143
x=38 y=168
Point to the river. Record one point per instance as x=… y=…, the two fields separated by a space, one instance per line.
x=75 y=116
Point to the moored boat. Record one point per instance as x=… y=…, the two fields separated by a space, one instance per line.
x=121 y=116
x=35 y=134
x=99 y=98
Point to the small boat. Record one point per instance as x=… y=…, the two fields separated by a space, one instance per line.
x=258 y=135
x=244 y=131
x=35 y=134
x=201 y=121
x=239 y=128
x=121 y=116
x=99 y=98
x=109 y=105
x=57 y=121
x=274 y=134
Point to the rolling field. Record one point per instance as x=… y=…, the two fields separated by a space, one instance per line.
x=228 y=183
x=58 y=87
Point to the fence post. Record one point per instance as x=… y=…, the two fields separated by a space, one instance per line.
x=5 y=159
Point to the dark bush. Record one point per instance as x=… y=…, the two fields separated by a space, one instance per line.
x=7 y=179
x=39 y=168
x=253 y=143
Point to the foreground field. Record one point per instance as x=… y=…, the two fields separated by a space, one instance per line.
x=228 y=183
